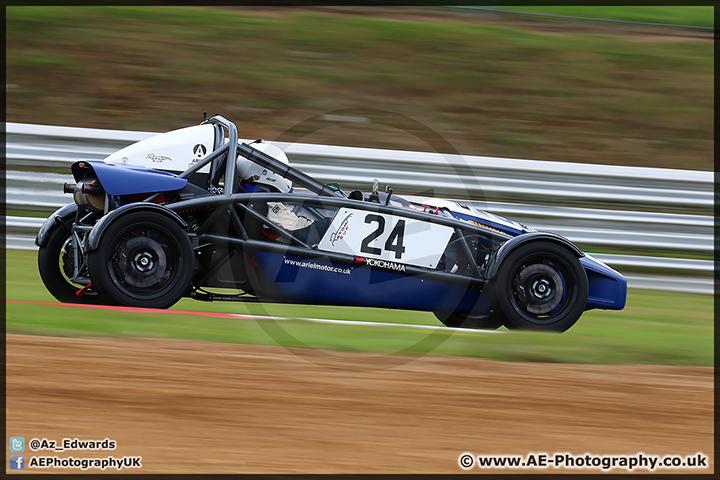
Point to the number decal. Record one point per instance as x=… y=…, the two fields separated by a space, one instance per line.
x=395 y=240
x=365 y=245
x=394 y=243
x=382 y=236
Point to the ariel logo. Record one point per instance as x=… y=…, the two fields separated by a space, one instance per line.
x=199 y=150
x=339 y=234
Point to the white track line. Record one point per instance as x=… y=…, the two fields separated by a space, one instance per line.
x=385 y=324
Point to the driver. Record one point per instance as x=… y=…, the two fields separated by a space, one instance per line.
x=254 y=178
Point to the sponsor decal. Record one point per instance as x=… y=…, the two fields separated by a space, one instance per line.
x=157 y=158
x=339 y=234
x=372 y=262
x=485 y=226
x=199 y=150
x=425 y=208
x=398 y=267
x=317 y=266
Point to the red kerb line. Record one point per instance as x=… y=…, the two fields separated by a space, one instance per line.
x=140 y=310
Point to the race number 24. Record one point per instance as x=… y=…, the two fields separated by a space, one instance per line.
x=394 y=242
x=382 y=236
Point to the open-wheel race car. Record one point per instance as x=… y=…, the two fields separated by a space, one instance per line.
x=195 y=213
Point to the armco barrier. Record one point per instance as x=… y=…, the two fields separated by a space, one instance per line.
x=656 y=217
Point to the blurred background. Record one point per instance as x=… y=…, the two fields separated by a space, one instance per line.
x=523 y=84
x=493 y=83
x=631 y=88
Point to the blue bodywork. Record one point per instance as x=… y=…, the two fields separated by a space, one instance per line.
x=119 y=179
x=608 y=288
x=315 y=281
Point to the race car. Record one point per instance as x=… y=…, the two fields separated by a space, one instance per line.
x=196 y=213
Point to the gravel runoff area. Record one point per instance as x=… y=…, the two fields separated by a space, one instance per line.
x=200 y=407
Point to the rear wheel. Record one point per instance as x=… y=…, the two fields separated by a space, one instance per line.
x=461 y=320
x=539 y=286
x=143 y=259
x=56 y=264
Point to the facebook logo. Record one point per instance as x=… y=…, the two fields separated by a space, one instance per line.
x=17 y=462
x=17 y=444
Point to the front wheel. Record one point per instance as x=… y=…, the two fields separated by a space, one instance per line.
x=143 y=259
x=539 y=286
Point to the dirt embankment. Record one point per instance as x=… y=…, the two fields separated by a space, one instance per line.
x=196 y=407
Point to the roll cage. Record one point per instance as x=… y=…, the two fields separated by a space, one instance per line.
x=223 y=161
x=242 y=207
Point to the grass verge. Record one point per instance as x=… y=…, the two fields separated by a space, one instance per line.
x=655 y=327
x=489 y=87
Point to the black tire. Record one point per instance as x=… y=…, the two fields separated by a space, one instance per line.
x=143 y=259
x=55 y=263
x=461 y=320
x=539 y=286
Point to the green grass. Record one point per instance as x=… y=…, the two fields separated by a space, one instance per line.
x=655 y=327
x=27 y=213
x=487 y=87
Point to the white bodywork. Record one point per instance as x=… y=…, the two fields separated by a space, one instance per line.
x=466 y=210
x=173 y=151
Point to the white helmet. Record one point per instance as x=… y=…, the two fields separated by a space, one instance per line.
x=252 y=173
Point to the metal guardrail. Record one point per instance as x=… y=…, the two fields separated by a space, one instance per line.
x=665 y=215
